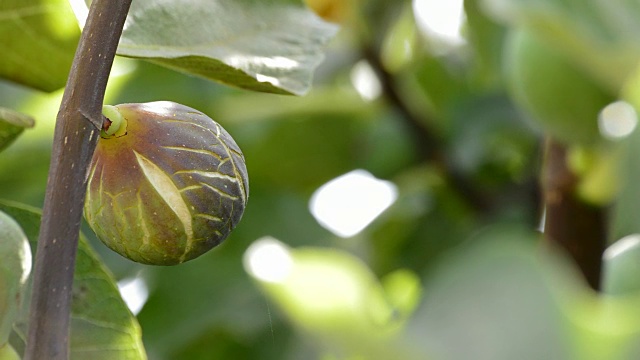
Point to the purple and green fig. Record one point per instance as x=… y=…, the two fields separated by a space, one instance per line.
x=166 y=183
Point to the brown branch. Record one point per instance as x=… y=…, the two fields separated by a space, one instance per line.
x=427 y=142
x=573 y=225
x=429 y=145
x=77 y=129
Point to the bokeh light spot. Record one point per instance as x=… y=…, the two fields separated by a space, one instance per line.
x=365 y=81
x=617 y=120
x=267 y=259
x=134 y=292
x=440 y=20
x=348 y=203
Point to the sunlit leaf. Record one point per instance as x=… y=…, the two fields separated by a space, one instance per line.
x=102 y=327
x=8 y=353
x=400 y=43
x=270 y=46
x=403 y=291
x=12 y=123
x=38 y=43
x=334 y=297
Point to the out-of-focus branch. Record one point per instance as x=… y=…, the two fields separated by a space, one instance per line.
x=427 y=142
x=571 y=224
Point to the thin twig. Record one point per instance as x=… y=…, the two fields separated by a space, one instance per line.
x=77 y=129
x=429 y=144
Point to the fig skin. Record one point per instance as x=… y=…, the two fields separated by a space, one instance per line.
x=169 y=188
x=558 y=95
x=15 y=267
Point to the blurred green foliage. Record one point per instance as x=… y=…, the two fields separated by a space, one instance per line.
x=440 y=274
x=101 y=326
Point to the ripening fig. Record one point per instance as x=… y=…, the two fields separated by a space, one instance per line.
x=166 y=183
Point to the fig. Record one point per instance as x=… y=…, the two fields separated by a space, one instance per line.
x=166 y=183
x=15 y=267
x=559 y=96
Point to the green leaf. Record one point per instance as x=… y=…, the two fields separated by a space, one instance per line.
x=270 y=46
x=441 y=86
x=295 y=141
x=8 y=353
x=485 y=37
x=12 y=123
x=102 y=327
x=492 y=300
x=621 y=265
x=227 y=302
x=39 y=42
x=624 y=219
x=599 y=36
x=333 y=297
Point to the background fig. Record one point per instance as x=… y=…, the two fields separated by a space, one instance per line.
x=558 y=95
x=166 y=184
x=15 y=267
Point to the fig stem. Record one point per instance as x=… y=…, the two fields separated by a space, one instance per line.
x=115 y=124
x=78 y=126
